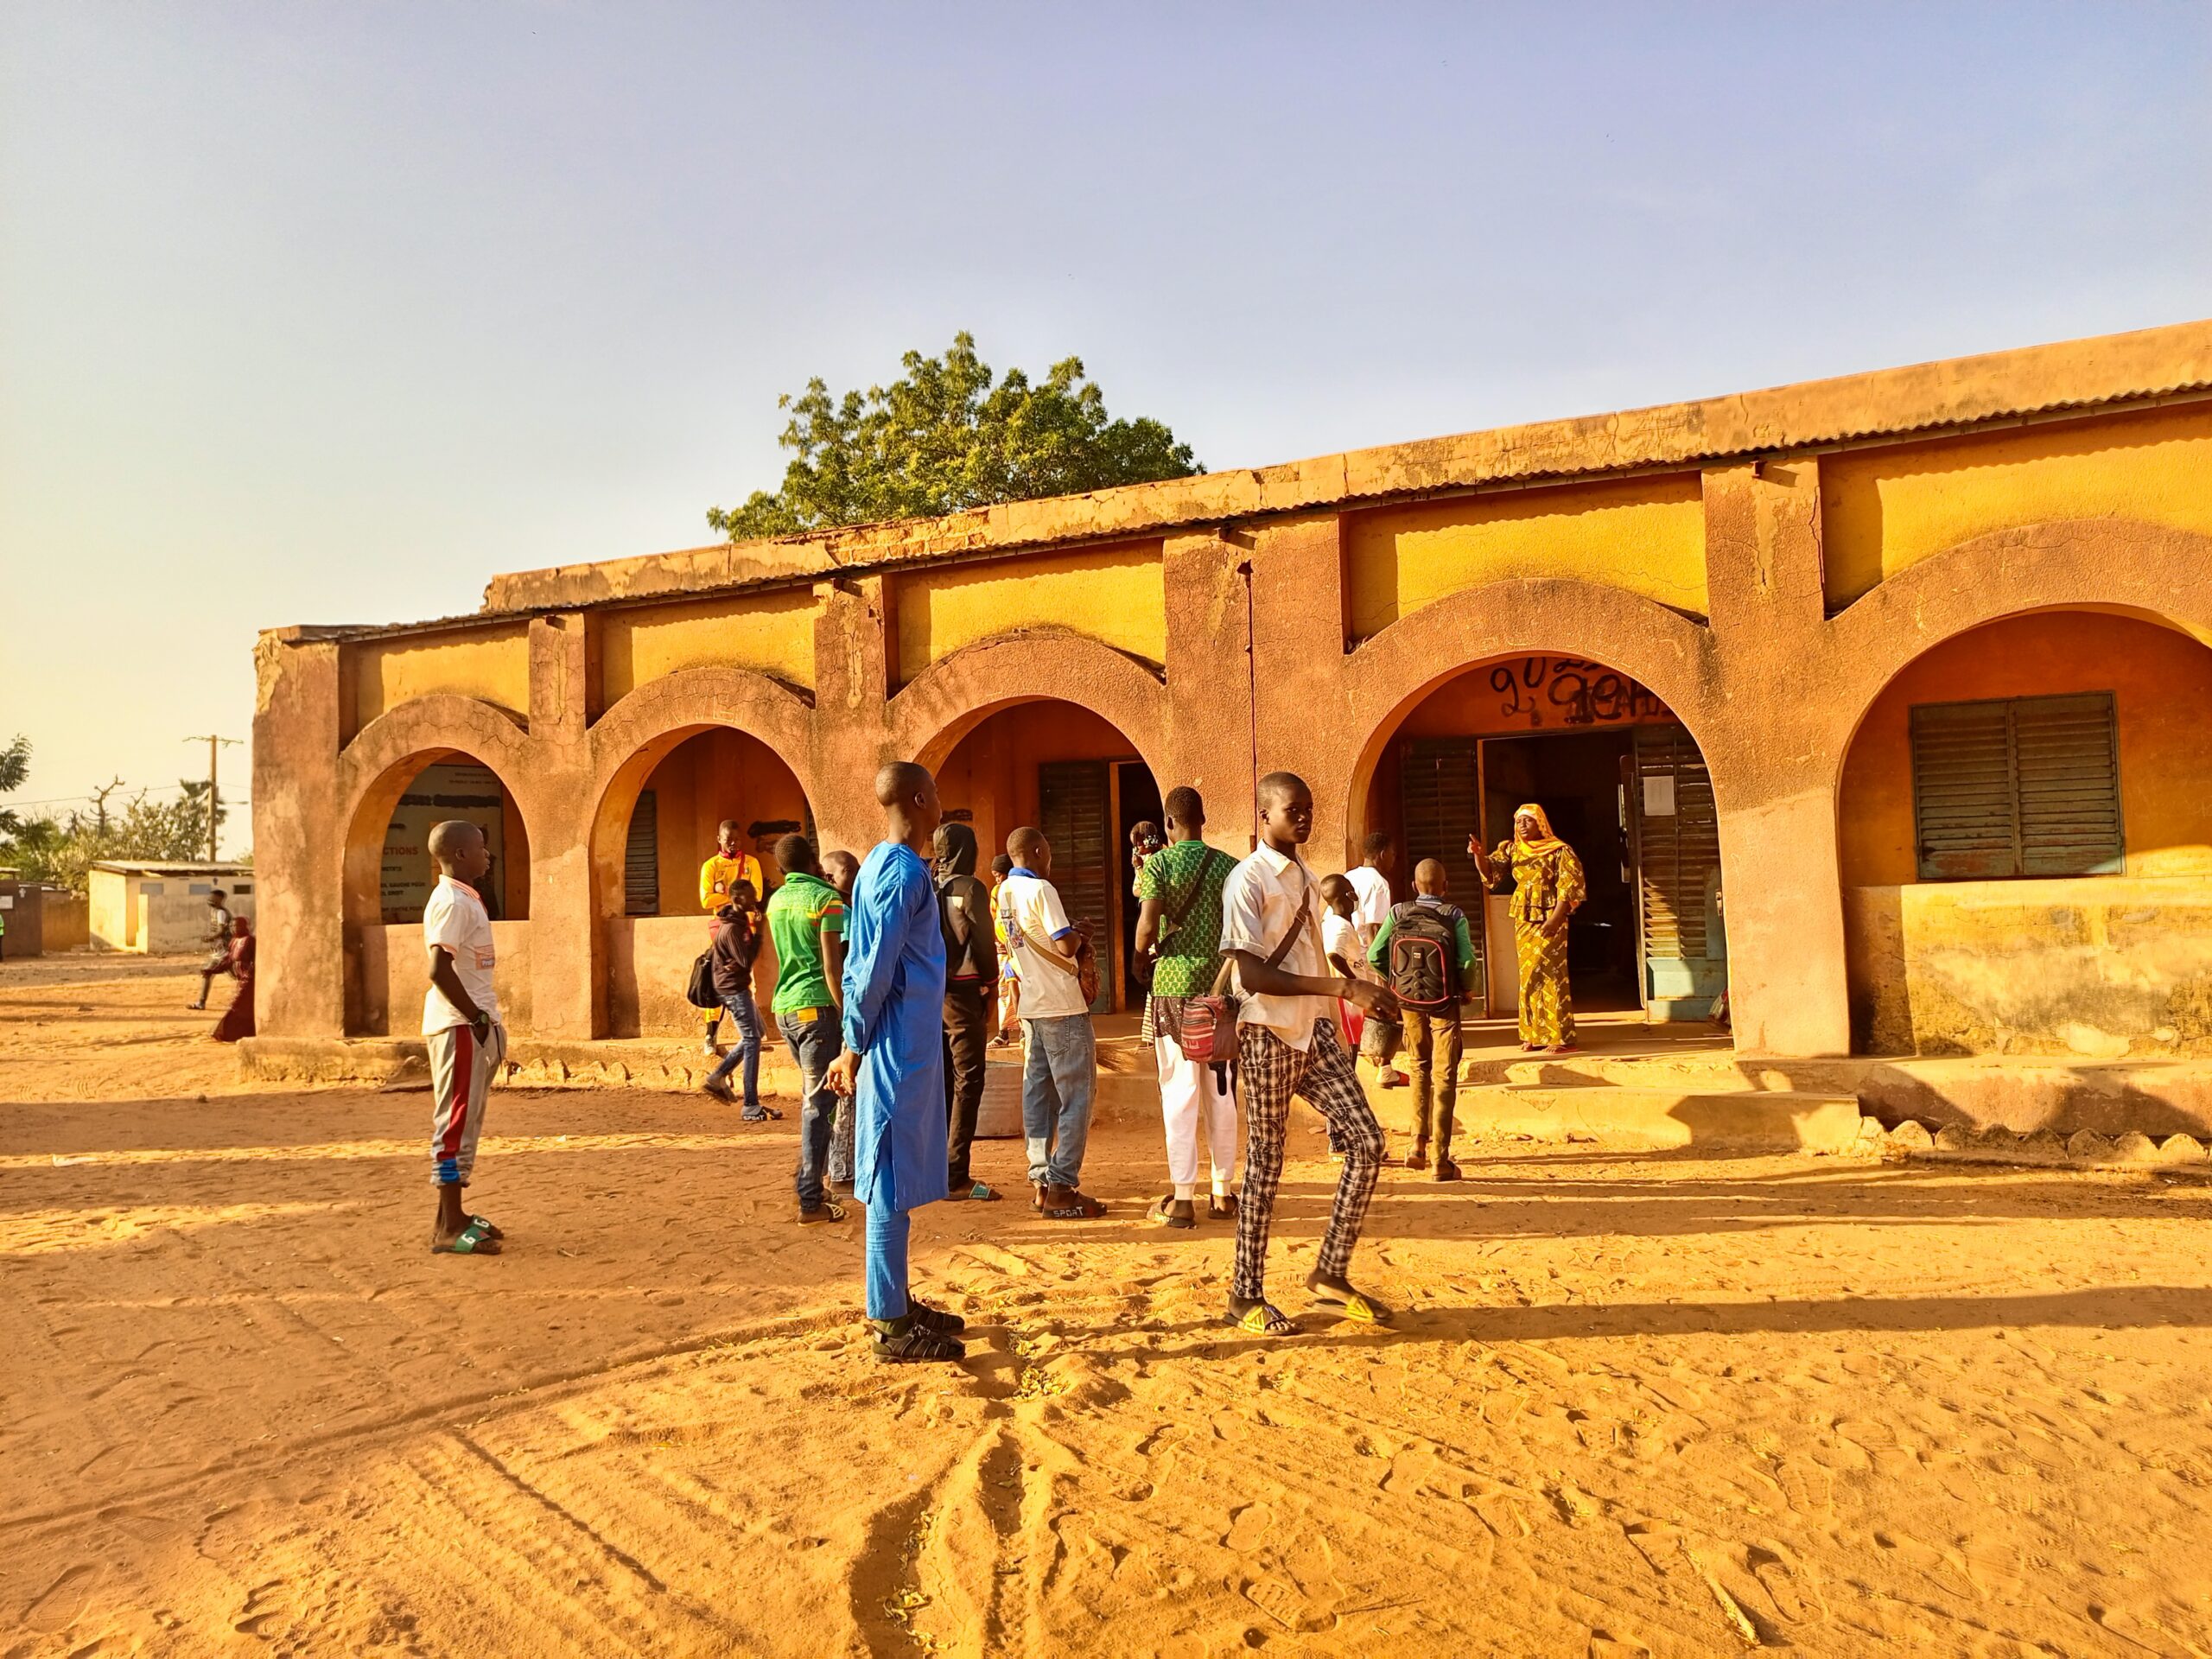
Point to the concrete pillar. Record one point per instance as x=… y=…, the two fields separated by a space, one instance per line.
x=852 y=732
x=1209 y=705
x=1299 y=672
x=298 y=850
x=566 y=955
x=1770 y=751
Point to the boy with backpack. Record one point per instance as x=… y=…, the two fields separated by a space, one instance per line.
x=1426 y=953
x=730 y=962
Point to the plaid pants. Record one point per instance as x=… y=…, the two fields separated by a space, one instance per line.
x=1324 y=1077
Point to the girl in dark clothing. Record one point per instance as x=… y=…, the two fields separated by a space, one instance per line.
x=238 y=1019
x=737 y=942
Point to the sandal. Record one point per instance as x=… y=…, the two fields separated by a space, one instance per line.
x=1065 y=1204
x=1349 y=1303
x=978 y=1193
x=934 y=1319
x=472 y=1240
x=1418 y=1157
x=905 y=1340
x=1171 y=1211
x=828 y=1210
x=759 y=1114
x=1446 y=1170
x=1260 y=1318
x=490 y=1231
x=1222 y=1206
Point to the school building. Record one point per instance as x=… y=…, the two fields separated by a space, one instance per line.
x=1881 y=701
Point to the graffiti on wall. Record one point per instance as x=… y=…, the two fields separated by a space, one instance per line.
x=1541 y=691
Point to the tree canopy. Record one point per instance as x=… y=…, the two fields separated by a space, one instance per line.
x=60 y=850
x=945 y=438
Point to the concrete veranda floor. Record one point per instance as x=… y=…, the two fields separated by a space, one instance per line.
x=1666 y=1406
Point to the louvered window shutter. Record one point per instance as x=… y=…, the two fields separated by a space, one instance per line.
x=2022 y=787
x=641 y=859
x=1436 y=780
x=1073 y=804
x=1678 y=851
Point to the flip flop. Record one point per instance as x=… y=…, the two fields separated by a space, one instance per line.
x=1261 y=1320
x=979 y=1193
x=1164 y=1213
x=470 y=1241
x=1349 y=1303
x=1222 y=1206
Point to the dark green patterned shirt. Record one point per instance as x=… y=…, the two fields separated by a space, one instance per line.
x=1186 y=964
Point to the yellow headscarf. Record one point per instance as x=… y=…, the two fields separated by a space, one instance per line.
x=1545 y=842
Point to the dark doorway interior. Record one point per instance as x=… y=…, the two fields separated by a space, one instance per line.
x=1577 y=778
x=1139 y=798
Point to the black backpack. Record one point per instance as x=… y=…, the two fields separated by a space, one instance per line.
x=1425 y=955
x=700 y=992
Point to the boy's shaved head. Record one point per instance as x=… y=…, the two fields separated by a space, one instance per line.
x=1429 y=878
x=447 y=839
x=1334 y=887
x=1023 y=845
x=902 y=780
x=1280 y=787
x=794 y=853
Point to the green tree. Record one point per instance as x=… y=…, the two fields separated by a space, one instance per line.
x=15 y=767
x=59 y=850
x=945 y=438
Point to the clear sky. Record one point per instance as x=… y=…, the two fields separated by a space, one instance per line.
x=315 y=313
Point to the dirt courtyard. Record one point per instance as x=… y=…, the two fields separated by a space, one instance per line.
x=1662 y=1405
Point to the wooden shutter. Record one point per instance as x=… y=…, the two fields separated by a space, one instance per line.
x=1677 y=853
x=2021 y=787
x=1075 y=808
x=641 y=859
x=1438 y=787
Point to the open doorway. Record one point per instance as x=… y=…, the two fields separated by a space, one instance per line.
x=1578 y=777
x=1137 y=801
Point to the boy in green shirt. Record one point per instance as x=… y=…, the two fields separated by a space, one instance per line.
x=1425 y=951
x=806 y=920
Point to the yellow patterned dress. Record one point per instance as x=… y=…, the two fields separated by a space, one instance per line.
x=1547 y=877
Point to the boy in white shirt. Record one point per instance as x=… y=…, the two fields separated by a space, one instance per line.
x=1059 y=1073
x=461 y=1026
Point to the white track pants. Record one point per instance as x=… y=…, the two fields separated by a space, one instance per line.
x=1192 y=1103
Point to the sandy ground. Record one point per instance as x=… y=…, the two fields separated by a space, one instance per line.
x=1665 y=1406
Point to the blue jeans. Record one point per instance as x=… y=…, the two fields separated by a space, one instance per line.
x=814 y=1044
x=740 y=1009
x=887 y=1262
x=1058 y=1080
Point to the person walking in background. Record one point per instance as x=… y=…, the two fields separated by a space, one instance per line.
x=806 y=924
x=1425 y=953
x=971 y=984
x=1060 y=1072
x=1548 y=888
x=238 y=1019
x=1371 y=881
x=461 y=1029
x=894 y=1059
x=218 y=940
x=1178 y=928
x=1287 y=1045
x=736 y=946
x=718 y=878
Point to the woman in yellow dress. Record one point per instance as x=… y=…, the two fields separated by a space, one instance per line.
x=1547 y=886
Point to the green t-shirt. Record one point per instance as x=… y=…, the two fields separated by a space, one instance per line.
x=799 y=913
x=1187 y=958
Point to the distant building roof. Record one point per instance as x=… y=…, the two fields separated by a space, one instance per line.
x=169 y=867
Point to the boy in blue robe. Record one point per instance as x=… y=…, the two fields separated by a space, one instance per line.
x=893 y=1063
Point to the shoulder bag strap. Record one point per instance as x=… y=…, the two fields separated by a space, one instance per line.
x=1182 y=906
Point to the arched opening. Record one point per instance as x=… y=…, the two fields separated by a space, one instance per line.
x=1076 y=776
x=389 y=874
x=655 y=828
x=1624 y=783
x=2025 y=834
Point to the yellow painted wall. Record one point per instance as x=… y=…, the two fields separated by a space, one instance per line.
x=715 y=775
x=2161 y=685
x=1885 y=510
x=771 y=633
x=2101 y=968
x=1112 y=594
x=492 y=664
x=1644 y=534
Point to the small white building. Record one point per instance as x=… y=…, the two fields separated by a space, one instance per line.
x=160 y=906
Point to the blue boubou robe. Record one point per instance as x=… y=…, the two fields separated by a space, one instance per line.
x=895 y=1021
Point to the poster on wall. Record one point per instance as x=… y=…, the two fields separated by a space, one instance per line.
x=439 y=793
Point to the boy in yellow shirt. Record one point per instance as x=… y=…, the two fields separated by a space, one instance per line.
x=718 y=877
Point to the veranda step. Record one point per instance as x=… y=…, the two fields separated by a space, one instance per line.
x=1644 y=1119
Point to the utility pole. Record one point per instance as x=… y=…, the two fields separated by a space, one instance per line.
x=214 y=798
